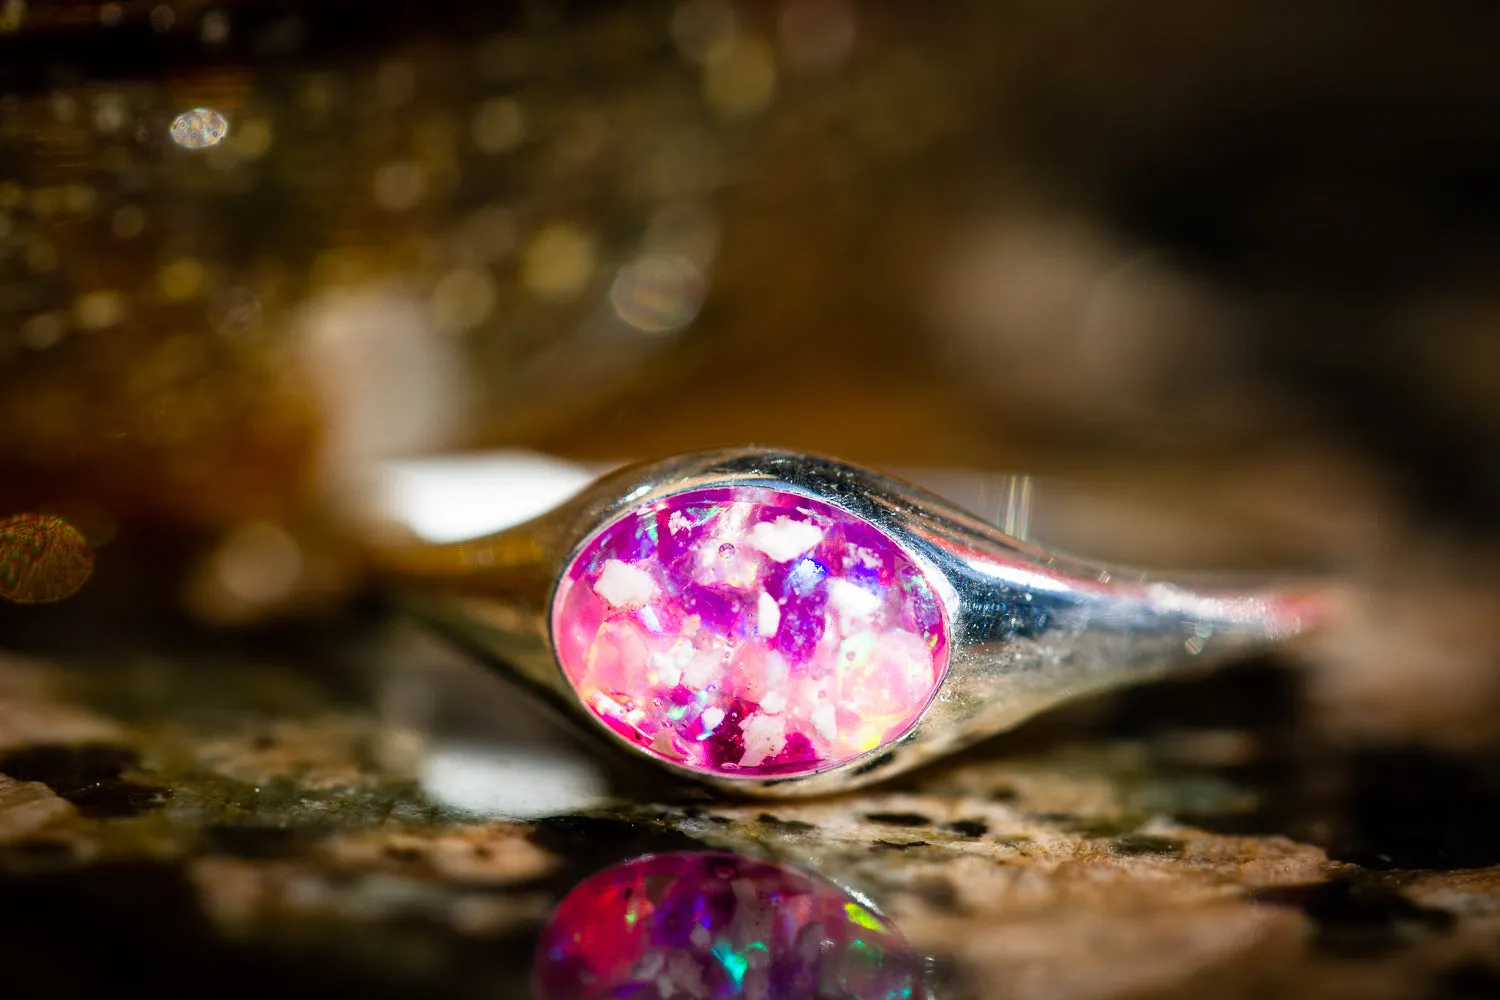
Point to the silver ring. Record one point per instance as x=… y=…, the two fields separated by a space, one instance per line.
x=773 y=623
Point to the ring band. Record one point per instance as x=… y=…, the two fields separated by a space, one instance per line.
x=776 y=623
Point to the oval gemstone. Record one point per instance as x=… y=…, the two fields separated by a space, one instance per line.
x=749 y=632
x=706 y=924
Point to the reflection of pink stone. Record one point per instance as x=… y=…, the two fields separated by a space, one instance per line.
x=716 y=925
x=749 y=632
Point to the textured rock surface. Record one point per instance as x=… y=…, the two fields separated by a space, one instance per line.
x=280 y=832
x=26 y=806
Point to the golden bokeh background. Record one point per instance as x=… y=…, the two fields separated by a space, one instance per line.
x=1227 y=268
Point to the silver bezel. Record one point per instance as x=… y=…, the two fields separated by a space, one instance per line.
x=946 y=597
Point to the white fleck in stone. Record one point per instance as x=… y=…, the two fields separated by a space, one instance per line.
x=701 y=938
x=704 y=668
x=776 y=670
x=784 y=539
x=604 y=703
x=773 y=703
x=662 y=744
x=667 y=670
x=764 y=736
x=711 y=717
x=678 y=522
x=852 y=603
x=824 y=722
x=622 y=584
x=767 y=615
x=649 y=619
x=651 y=965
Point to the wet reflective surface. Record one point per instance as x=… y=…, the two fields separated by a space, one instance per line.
x=699 y=924
x=395 y=823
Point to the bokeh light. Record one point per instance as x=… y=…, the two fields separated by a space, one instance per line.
x=43 y=559
x=199 y=128
x=657 y=293
x=559 y=262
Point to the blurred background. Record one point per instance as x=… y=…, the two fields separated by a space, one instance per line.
x=1222 y=273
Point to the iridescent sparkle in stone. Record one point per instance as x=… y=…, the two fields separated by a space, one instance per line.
x=710 y=925
x=749 y=632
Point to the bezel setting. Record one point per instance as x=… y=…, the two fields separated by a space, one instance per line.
x=883 y=567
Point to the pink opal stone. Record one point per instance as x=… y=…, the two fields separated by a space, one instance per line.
x=712 y=925
x=749 y=632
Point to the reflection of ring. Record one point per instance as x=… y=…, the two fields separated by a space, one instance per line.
x=709 y=924
x=776 y=623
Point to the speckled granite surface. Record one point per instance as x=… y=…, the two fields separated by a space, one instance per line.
x=363 y=815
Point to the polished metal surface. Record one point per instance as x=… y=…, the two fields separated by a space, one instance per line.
x=1028 y=628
